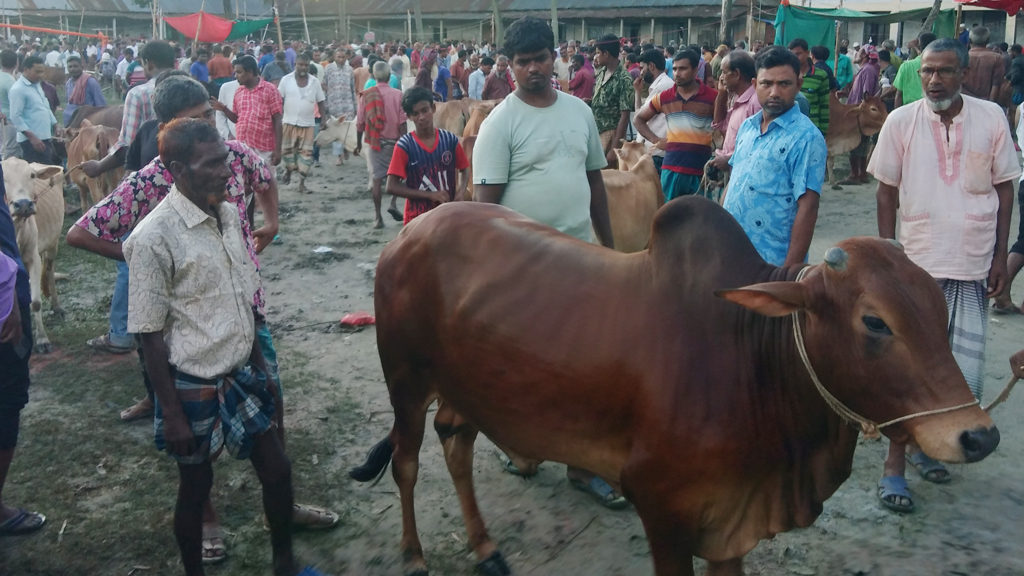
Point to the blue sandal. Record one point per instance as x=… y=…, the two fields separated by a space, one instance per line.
x=931 y=470
x=892 y=487
x=22 y=523
x=604 y=493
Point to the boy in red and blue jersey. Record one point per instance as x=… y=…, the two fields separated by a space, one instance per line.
x=429 y=166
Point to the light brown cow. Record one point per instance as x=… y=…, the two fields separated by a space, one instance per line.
x=847 y=123
x=634 y=195
x=35 y=197
x=478 y=112
x=93 y=143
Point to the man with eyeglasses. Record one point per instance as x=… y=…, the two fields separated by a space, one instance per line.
x=945 y=166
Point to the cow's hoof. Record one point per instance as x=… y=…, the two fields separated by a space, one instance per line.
x=59 y=313
x=42 y=348
x=494 y=566
x=837 y=187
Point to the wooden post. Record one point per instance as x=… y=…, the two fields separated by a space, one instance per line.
x=750 y=24
x=440 y=31
x=408 y=19
x=652 y=32
x=199 y=29
x=277 y=20
x=959 y=19
x=304 y=23
x=835 y=53
x=583 y=21
x=81 y=21
x=726 y=6
x=622 y=27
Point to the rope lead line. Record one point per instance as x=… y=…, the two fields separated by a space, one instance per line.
x=834 y=403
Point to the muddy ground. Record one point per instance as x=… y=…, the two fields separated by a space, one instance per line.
x=81 y=466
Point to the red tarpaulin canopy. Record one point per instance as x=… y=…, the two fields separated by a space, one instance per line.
x=1011 y=7
x=213 y=28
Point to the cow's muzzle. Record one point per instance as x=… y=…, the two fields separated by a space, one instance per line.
x=977 y=444
x=23 y=208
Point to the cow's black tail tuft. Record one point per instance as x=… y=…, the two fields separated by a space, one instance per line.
x=376 y=463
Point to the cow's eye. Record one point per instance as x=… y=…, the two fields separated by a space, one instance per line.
x=876 y=325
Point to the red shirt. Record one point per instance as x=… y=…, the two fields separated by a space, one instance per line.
x=582 y=84
x=431 y=169
x=255 y=109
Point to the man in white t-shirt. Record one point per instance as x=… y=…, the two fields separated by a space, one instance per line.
x=227 y=97
x=540 y=154
x=302 y=96
x=53 y=57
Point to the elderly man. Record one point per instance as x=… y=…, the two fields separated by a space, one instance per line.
x=499 y=84
x=81 y=89
x=736 y=82
x=984 y=78
x=381 y=119
x=945 y=167
x=31 y=114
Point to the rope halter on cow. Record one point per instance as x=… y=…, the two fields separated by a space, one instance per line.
x=844 y=412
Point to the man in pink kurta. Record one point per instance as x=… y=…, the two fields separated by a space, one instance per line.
x=945 y=166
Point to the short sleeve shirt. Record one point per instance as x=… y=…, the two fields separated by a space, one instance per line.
x=613 y=94
x=300 y=103
x=770 y=173
x=689 y=128
x=255 y=109
x=422 y=169
x=908 y=82
x=542 y=155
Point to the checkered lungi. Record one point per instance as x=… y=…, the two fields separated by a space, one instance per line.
x=297 y=148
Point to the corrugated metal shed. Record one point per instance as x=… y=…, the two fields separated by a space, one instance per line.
x=253 y=8
x=464 y=8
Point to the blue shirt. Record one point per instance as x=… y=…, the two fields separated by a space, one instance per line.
x=30 y=110
x=265 y=59
x=200 y=72
x=770 y=172
x=9 y=246
x=440 y=86
x=668 y=67
x=93 y=96
x=289 y=57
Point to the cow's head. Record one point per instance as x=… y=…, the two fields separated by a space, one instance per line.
x=871 y=114
x=20 y=182
x=875 y=328
x=629 y=155
x=334 y=130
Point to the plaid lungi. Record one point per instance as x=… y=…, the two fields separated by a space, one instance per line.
x=968 y=320
x=228 y=411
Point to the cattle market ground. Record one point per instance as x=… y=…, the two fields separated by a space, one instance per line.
x=109 y=495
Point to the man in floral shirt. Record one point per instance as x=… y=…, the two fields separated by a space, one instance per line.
x=613 y=95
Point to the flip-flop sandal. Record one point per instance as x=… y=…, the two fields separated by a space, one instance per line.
x=930 y=470
x=103 y=344
x=894 y=486
x=134 y=412
x=1011 y=309
x=313 y=517
x=395 y=213
x=24 y=522
x=604 y=493
x=214 y=553
x=277 y=240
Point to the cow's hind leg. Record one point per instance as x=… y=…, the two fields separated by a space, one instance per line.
x=407 y=437
x=732 y=567
x=458 y=454
x=49 y=286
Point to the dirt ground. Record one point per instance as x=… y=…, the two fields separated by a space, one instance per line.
x=109 y=494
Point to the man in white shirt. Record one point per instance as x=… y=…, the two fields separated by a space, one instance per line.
x=53 y=57
x=302 y=97
x=227 y=97
x=563 y=66
x=652 y=73
x=479 y=77
x=122 y=66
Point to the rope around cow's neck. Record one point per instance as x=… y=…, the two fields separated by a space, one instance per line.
x=868 y=426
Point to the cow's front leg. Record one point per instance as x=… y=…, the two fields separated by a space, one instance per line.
x=35 y=273
x=49 y=287
x=732 y=567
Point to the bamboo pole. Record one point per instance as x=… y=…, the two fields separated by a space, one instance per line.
x=81 y=21
x=199 y=30
x=305 y=24
x=277 y=20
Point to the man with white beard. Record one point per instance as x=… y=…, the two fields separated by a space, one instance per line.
x=945 y=165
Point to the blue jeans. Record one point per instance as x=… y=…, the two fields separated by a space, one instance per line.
x=119 y=335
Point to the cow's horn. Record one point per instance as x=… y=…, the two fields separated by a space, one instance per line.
x=836 y=258
x=895 y=243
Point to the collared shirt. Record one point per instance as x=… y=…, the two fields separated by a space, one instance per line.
x=816 y=89
x=255 y=109
x=908 y=81
x=141 y=191
x=6 y=83
x=226 y=96
x=52 y=58
x=770 y=173
x=93 y=96
x=341 y=91
x=30 y=110
x=613 y=95
x=985 y=72
x=867 y=81
x=138 y=107
x=300 y=102
x=220 y=67
x=689 y=129
x=192 y=281
x=289 y=56
x=394 y=116
x=657 y=123
x=844 y=71
x=497 y=87
x=745 y=106
x=948 y=203
x=582 y=84
x=476 y=84
x=199 y=71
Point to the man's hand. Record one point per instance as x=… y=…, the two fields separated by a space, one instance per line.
x=178 y=434
x=441 y=196
x=58 y=130
x=997 y=277
x=721 y=162
x=1017 y=364
x=275 y=157
x=91 y=168
x=263 y=236
x=37 y=144
x=722 y=87
x=661 y=144
x=638 y=84
x=611 y=157
x=11 y=330
x=217 y=105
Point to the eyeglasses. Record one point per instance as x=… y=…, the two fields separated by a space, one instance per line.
x=944 y=73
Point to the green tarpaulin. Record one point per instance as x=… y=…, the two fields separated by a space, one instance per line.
x=818 y=25
x=243 y=28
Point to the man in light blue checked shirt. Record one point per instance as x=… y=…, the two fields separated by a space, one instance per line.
x=31 y=114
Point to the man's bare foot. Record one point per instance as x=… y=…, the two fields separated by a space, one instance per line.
x=286 y=178
x=378 y=223
x=141 y=409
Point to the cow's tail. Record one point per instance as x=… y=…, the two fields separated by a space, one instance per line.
x=376 y=463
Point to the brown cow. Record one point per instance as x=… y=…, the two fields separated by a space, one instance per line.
x=847 y=123
x=634 y=196
x=478 y=112
x=698 y=407
x=93 y=143
x=54 y=75
x=109 y=116
x=35 y=196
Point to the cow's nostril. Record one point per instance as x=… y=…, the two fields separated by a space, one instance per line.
x=977 y=444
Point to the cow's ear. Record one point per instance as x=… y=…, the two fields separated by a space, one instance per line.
x=48 y=172
x=769 y=299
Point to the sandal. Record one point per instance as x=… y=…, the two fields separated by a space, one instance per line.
x=1011 y=309
x=138 y=411
x=23 y=522
x=395 y=213
x=930 y=470
x=604 y=493
x=892 y=487
x=214 y=549
x=313 y=518
x=103 y=344
x=508 y=466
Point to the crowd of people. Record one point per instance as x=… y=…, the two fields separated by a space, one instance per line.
x=201 y=136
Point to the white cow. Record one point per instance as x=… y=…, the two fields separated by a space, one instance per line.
x=35 y=196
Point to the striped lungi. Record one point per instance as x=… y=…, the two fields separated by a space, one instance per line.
x=968 y=320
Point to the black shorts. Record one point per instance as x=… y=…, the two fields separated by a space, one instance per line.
x=14 y=381
x=1018 y=246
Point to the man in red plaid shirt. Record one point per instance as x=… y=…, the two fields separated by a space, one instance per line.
x=257 y=110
